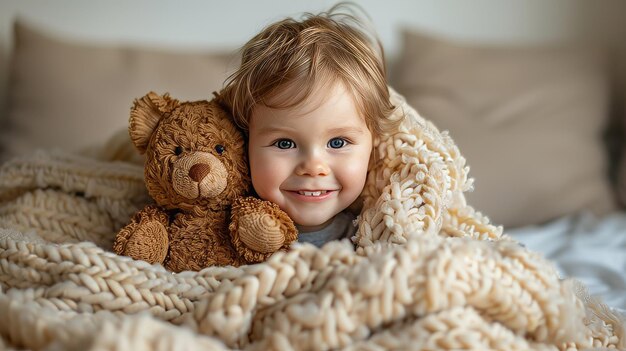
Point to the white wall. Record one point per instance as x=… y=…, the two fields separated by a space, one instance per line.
x=202 y=24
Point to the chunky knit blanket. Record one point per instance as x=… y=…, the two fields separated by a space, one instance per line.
x=428 y=272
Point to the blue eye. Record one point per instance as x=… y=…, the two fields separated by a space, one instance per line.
x=284 y=144
x=336 y=143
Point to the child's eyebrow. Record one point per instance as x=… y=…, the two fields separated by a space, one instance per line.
x=336 y=130
x=275 y=129
x=346 y=130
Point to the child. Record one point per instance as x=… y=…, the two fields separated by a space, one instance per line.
x=311 y=95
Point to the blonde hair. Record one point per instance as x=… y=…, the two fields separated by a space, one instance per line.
x=329 y=47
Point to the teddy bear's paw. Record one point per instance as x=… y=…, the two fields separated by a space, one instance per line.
x=145 y=238
x=261 y=232
x=148 y=243
x=260 y=228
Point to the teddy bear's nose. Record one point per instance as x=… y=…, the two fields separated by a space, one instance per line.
x=198 y=171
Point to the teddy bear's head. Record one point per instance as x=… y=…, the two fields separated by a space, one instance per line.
x=195 y=155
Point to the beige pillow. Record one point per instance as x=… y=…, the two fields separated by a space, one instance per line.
x=619 y=131
x=71 y=96
x=528 y=120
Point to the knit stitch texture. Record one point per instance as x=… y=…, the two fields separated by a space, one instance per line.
x=428 y=273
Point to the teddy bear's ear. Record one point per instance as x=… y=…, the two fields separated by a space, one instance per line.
x=146 y=114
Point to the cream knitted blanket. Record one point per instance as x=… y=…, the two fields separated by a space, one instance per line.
x=429 y=273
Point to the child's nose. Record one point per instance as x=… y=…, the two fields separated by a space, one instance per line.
x=313 y=166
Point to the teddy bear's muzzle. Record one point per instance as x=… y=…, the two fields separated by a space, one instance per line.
x=199 y=174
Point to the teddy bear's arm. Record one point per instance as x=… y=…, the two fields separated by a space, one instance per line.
x=145 y=237
x=259 y=228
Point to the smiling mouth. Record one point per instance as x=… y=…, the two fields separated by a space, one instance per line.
x=312 y=193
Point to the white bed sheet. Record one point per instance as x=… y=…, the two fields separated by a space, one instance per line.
x=590 y=249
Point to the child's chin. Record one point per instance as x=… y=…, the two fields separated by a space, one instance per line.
x=313 y=225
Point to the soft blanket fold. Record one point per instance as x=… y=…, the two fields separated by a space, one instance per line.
x=429 y=271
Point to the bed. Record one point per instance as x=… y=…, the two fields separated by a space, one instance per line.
x=586 y=247
x=506 y=108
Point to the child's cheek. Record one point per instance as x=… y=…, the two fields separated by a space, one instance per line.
x=264 y=174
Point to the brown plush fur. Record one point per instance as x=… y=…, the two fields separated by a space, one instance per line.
x=197 y=172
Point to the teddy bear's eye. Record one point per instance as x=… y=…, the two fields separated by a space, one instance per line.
x=178 y=150
x=220 y=149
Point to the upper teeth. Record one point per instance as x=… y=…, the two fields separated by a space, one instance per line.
x=312 y=193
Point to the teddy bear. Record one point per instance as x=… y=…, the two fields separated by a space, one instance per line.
x=196 y=170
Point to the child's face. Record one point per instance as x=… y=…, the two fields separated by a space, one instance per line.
x=311 y=160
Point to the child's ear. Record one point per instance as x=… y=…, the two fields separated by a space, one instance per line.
x=145 y=116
